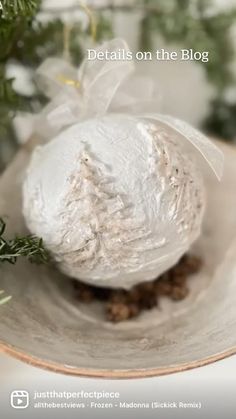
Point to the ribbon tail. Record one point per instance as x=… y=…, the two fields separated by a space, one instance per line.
x=102 y=78
x=137 y=93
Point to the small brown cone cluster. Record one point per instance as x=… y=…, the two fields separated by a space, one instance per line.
x=122 y=305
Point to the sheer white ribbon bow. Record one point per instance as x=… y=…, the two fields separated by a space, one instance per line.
x=99 y=87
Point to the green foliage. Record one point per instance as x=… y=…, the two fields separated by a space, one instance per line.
x=9 y=9
x=30 y=247
x=10 y=102
x=222 y=119
x=15 y=17
x=6 y=91
x=25 y=40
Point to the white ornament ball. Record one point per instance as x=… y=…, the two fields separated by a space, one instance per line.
x=117 y=200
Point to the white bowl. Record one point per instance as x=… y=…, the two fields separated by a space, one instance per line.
x=43 y=326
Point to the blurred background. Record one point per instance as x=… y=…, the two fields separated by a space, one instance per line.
x=203 y=94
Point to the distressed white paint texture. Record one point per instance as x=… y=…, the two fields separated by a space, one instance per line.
x=117 y=200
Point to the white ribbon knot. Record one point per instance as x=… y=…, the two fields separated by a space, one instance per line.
x=99 y=87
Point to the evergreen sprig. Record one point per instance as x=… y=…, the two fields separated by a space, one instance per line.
x=30 y=247
x=9 y=9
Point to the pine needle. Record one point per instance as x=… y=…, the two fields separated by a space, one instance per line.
x=5 y=299
x=12 y=8
x=30 y=247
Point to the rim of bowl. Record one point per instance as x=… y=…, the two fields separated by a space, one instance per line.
x=105 y=373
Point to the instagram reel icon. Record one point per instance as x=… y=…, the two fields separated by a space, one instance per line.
x=19 y=399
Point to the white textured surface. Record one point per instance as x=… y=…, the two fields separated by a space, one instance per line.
x=117 y=200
